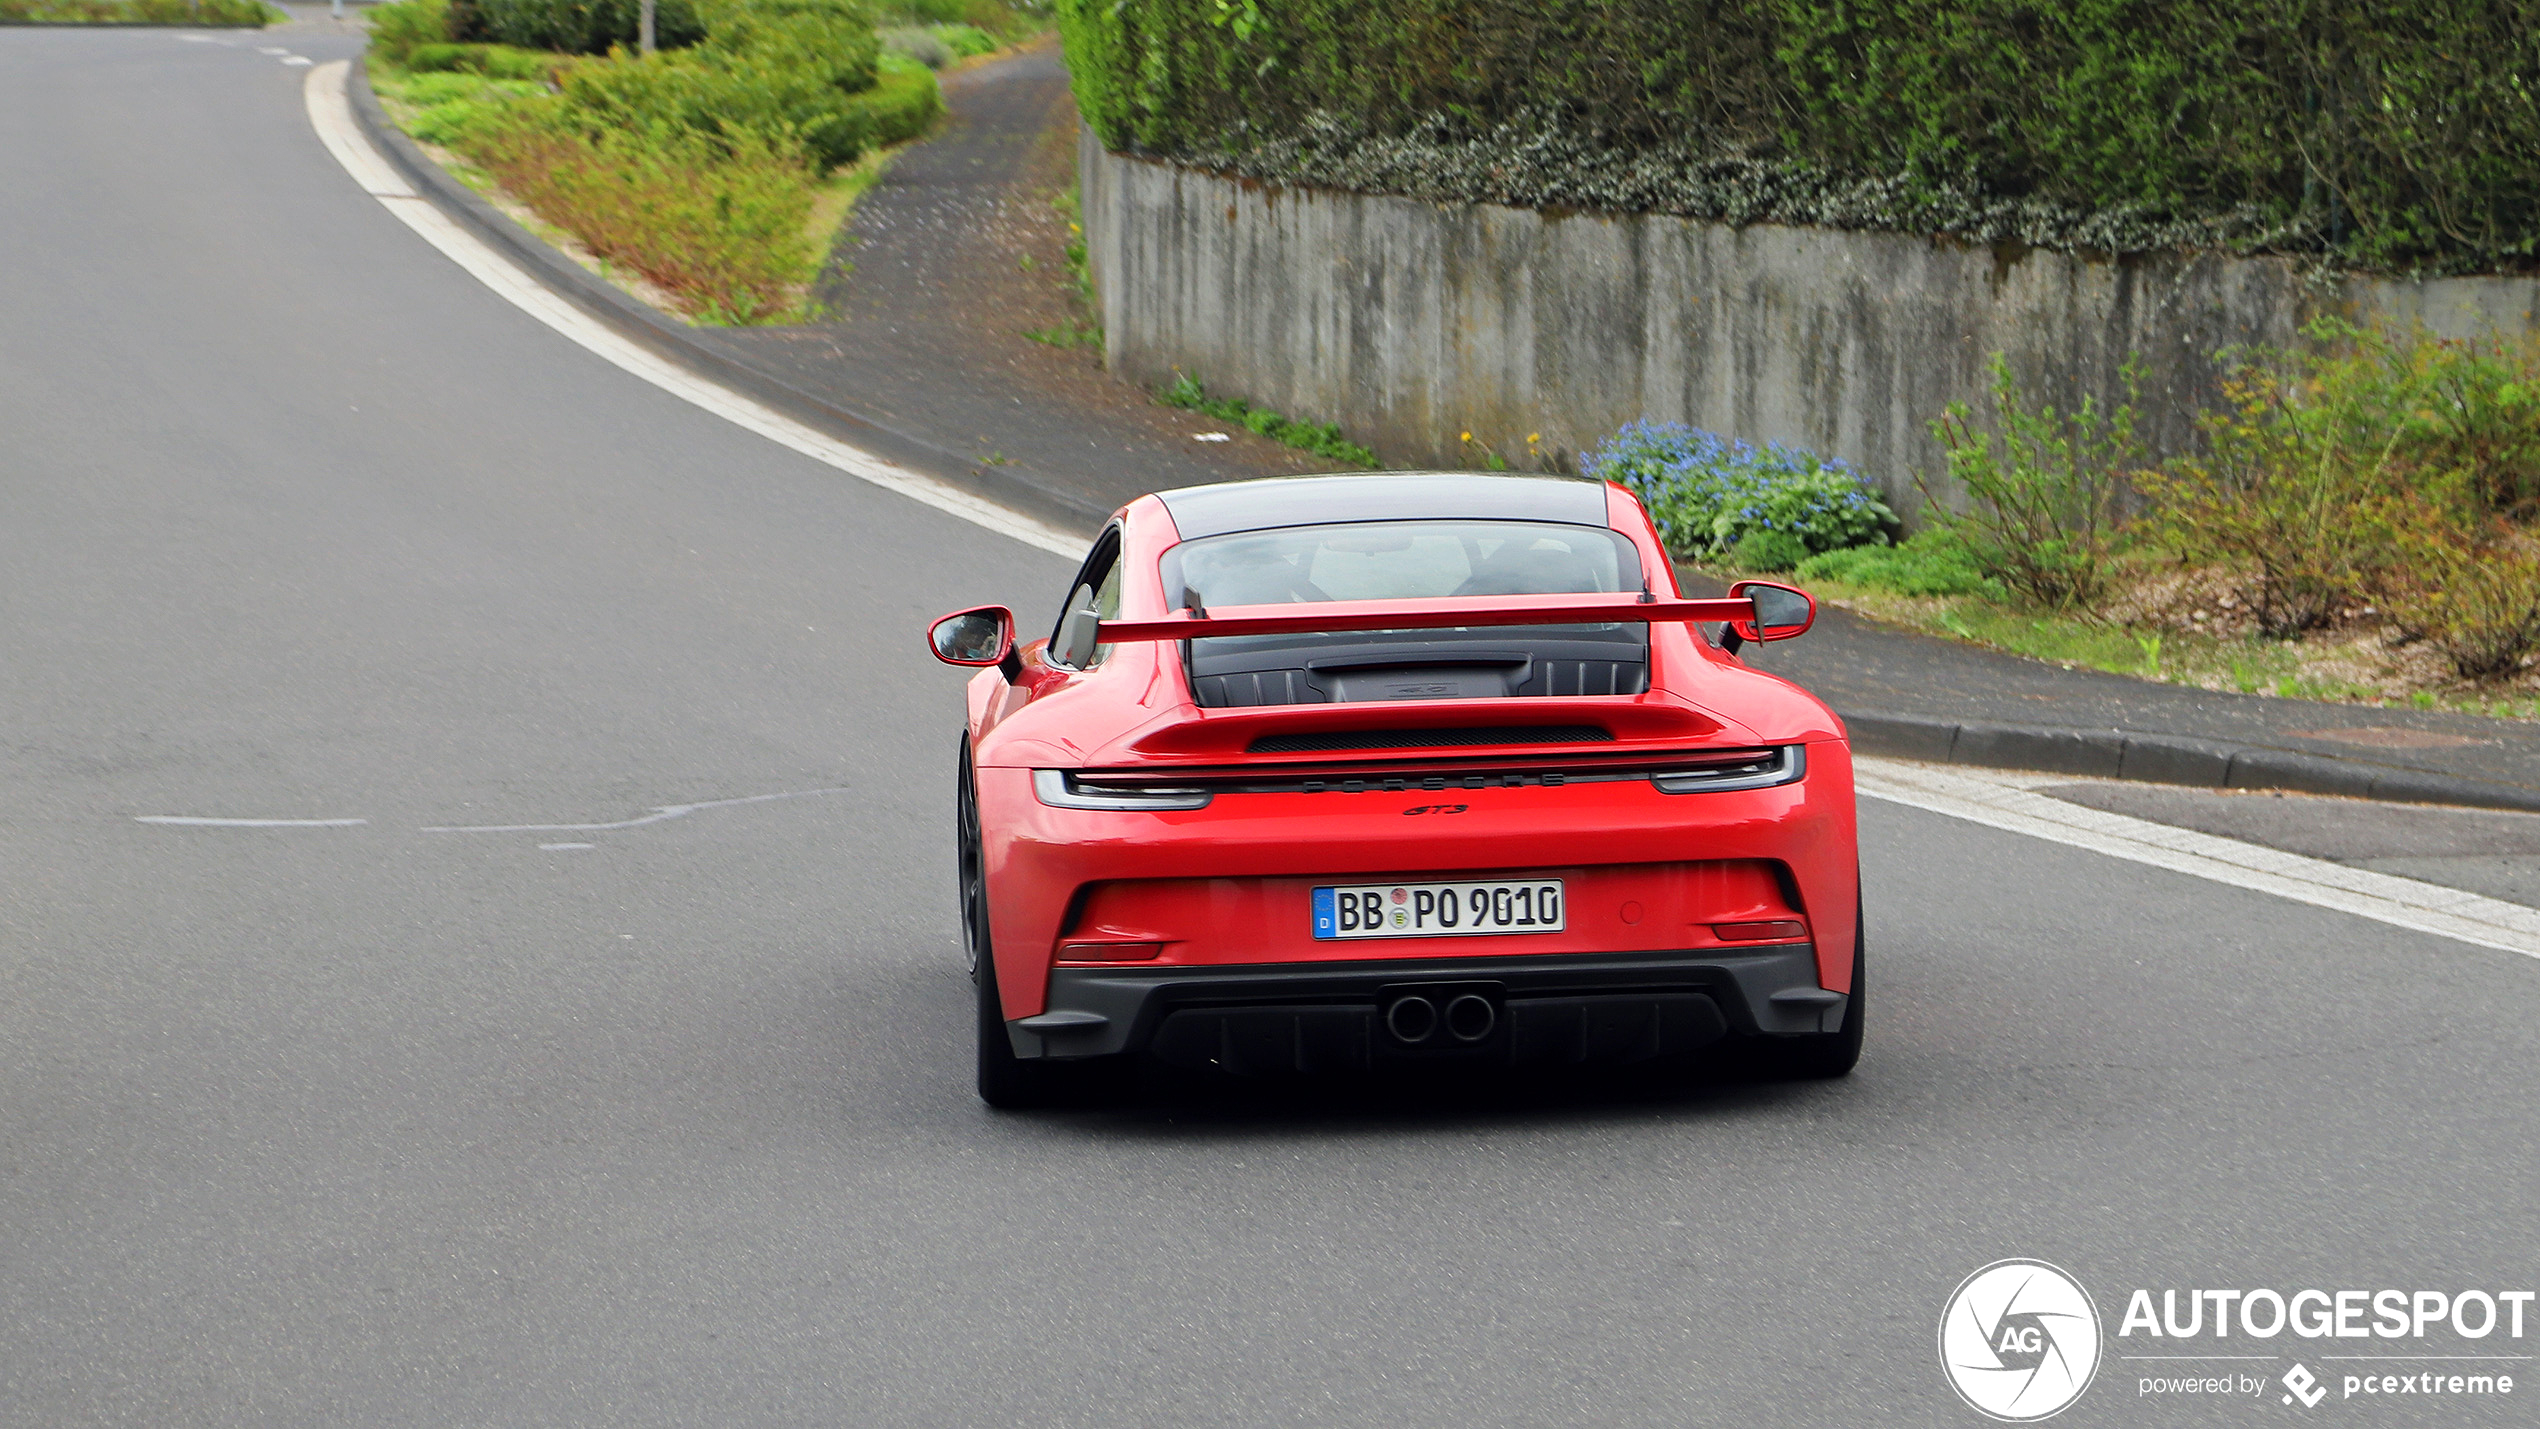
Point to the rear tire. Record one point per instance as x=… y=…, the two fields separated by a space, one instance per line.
x=1825 y=1055
x=1005 y=1080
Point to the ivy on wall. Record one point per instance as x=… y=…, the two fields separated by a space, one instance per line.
x=2385 y=134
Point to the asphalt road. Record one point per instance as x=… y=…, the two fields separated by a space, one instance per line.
x=367 y=1124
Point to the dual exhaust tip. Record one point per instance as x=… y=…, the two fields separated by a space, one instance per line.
x=1417 y=1020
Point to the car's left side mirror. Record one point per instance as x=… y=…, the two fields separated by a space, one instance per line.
x=1781 y=612
x=980 y=637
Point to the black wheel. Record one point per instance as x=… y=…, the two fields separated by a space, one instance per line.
x=1005 y=1080
x=1830 y=1054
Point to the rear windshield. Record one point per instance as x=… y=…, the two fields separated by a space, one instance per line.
x=1398 y=560
x=1408 y=560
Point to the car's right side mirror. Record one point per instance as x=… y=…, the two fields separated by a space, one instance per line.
x=980 y=637
x=1781 y=612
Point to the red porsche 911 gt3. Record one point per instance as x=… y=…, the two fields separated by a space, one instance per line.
x=1321 y=774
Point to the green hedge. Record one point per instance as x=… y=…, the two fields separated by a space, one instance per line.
x=2385 y=134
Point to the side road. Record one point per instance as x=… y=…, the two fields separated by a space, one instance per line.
x=923 y=361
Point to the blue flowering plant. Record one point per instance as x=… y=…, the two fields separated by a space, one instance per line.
x=1716 y=498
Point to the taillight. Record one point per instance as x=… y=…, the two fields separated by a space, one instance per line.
x=1061 y=789
x=1772 y=930
x=1786 y=764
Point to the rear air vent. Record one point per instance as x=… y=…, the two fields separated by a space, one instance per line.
x=1430 y=738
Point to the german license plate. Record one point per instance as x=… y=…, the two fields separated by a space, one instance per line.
x=1430 y=910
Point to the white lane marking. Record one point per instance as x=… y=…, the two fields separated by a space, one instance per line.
x=559 y=848
x=191 y=822
x=332 y=114
x=271 y=50
x=658 y=815
x=298 y=60
x=198 y=39
x=2004 y=800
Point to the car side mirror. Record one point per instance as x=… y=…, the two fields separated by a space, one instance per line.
x=980 y=638
x=1781 y=613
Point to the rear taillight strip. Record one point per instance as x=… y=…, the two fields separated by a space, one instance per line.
x=1061 y=789
x=1704 y=771
x=1785 y=765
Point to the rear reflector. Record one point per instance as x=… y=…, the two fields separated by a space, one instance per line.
x=1778 y=930
x=1108 y=952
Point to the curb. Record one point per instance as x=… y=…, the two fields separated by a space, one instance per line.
x=672 y=340
x=2169 y=759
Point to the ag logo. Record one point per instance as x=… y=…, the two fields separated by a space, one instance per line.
x=2019 y=1340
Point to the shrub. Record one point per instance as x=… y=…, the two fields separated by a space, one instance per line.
x=918 y=42
x=1933 y=562
x=966 y=41
x=2474 y=594
x=1709 y=493
x=776 y=72
x=2471 y=408
x=717 y=222
x=492 y=61
x=1772 y=551
x=448 y=106
x=903 y=103
x=2042 y=488
x=397 y=30
x=936 y=46
x=2326 y=467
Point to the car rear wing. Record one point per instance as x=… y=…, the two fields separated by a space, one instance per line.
x=1340 y=616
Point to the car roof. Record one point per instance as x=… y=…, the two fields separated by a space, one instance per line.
x=1276 y=501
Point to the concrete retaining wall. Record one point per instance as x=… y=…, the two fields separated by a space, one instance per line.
x=1410 y=323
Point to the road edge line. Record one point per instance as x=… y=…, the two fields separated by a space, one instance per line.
x=2385 y=898
x=331 y=114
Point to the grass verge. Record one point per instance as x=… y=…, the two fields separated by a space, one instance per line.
x=2361 y=662
x=1082 y=328
x=1187 y=394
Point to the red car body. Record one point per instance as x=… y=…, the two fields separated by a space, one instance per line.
x=1189 y=933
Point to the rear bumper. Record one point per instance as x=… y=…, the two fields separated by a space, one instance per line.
x=1573 y=1007
x=1227 y=889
